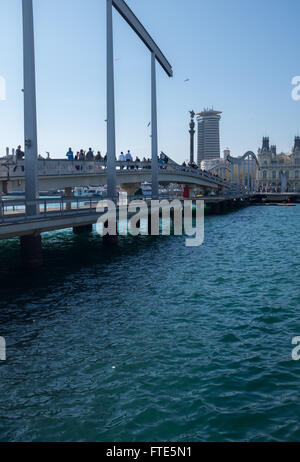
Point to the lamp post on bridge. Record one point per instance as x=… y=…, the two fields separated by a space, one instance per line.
x=192 y=134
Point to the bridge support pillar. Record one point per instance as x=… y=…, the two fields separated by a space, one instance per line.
x=83 y=229
x=31 y=251
x=110 y=240
x=216 y=208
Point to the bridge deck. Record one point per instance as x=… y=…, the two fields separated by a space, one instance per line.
x=56 y=174
x=65 y=213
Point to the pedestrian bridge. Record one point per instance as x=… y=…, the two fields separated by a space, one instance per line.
x=60 y=174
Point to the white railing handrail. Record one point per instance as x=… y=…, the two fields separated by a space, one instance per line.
x=48 y=167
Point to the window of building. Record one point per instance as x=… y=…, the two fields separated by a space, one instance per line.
x=297 y=174
x=264 y=174
x=274 y=174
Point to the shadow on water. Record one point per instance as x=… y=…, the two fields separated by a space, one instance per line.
x=64 y=254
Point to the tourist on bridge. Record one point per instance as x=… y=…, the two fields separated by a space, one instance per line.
x=122 y=157
x=81 y=155
x=19 y=153
x=90 y=155
x=98 y=156
x=19 y=156
x=70 y=154
x=128 y=157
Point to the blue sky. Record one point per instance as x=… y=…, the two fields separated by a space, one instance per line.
x=240 y=57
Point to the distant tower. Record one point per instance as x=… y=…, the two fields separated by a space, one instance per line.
x=266 y=144
x=274 y=149
x=208 y=135
x=297 y=143
x=226 y=153
x=192 y=133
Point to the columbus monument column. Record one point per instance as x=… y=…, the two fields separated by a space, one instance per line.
x=192 y=133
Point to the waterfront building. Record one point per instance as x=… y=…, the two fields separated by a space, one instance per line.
x=208 y=135
x=279 y=172
x=208 y=164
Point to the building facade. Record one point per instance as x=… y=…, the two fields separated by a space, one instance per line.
x=279 y=172
x=208 y=135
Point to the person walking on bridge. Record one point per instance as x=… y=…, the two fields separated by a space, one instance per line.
x=122 y=157
x=70 y=154
x=19 y=156
x=19 y=153
x=128 y=157
x=90 y=155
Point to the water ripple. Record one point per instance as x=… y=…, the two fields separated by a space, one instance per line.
x=153 y=341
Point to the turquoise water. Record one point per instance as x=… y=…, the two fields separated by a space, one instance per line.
x=155 y=341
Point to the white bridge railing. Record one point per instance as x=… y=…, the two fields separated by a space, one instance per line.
x=10 y=170
x=14 y=210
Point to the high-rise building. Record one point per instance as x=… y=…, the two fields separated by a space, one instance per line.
x=208 y=135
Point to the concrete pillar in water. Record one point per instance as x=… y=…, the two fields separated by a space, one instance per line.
x=109 y=240
x=31 y=251
x=83 y=229
x=216 y=208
